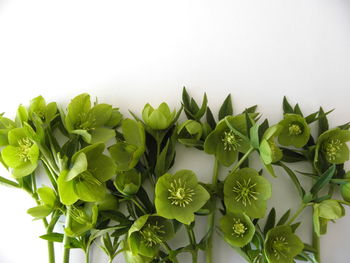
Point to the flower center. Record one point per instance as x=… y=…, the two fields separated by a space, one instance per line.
x=279 y=247
x=245 y=192
x=231 y=141
x=238 y=228
x=295 y=129
x=180 y=195
x=24 y=149
x=332 y=147
x=151 y=234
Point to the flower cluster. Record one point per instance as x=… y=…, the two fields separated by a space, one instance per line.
x=111 y=180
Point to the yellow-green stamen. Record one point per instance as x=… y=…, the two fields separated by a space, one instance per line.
x=332 y=147
x=238 y=228
x=279 y=245
x=180 y=195
x=25 y=145
x=231 y=141
x=294 y=129
x=151 y=234
x=245 y=192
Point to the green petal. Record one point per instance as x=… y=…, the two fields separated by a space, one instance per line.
x=15 y=135
x=77 y=109
x=99 y=115
x=10 y=155
x=89 y=191
x=101 y=134
x=40 y=211
x=80 y=165
x=102 y=167
x=331 y=209
x=83 y=133
x=227 y=227
x=286 y=139
x=133 y=132
x=123 y=155
x=66 y=189
x=47 y=196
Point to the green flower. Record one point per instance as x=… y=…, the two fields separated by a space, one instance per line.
x=325 y=211
x=48 y=202
x=160 y=118
x=21 y=154
x=269 y=151
x=295 y=131
x=95 y=123
x=332 y=146
x=225 y=143
x=126 y=154
x=245 y=191
x=282 y=245
x=345 y=188
x=109 y=202
x=147 y=234
x=82 y=219
x=129 y=182
x=178 y=196
x=6 y=125
x=39 y=108
x=87 y=176
x=189 y=133
x=237 y=228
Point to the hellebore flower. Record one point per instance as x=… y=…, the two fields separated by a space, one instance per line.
x=94 y=124
x=295 y=131
x=225 y=143
x=21 y=154
x=82 y=219
x=126 y=154
x=147 y=233
x=178 y=196
x=332 y=146
x=160 y=118
x=245 y=191
x=6 y=125
x=39 y=108
x=269 y=151
x=325 y=211
x=282 y=245
x=48 y=202
x=189 y=133
x=128 y=183
x=237 y=228
x=87 y=176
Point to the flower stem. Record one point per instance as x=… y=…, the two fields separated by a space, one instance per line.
x=297 y=213
x=193 y=242
x=168 y=249
x=244 y=157
x=316 y=245
x=66 y=238
x=137 y=203
x=211 y=217
x=87 y=255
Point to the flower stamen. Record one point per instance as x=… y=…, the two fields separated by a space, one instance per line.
x=231 y=141
x=151 y=234
x=294 y=129
x=24 y=144
x=238 y=228
x=332 y=147
x=279 y=246
x=245 y=192
x=180 y=195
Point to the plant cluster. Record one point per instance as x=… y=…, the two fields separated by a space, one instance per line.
x=110 y=177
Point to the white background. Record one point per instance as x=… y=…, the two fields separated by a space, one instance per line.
x=137 y=51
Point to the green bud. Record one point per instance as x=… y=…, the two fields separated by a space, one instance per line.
x=129 y=182
x=160 y=118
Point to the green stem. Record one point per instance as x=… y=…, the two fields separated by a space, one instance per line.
x=137 y=203
x=168 y=250
x=66 y=238
x=211 y=217
x=8 y=182
x=316 y=245
x=87 y=255
x=244 y=157
x=49 y=229
x=297 y=213
x=192 y=238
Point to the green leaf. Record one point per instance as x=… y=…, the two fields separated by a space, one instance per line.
x=226 y=108
x=210 y=119
x=270 y=222
x=287 y=108
x=322 y=122
x=324 y=179
x=283 y=218
x=294 y=179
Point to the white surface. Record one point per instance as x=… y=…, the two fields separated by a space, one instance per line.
x=135 y=51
